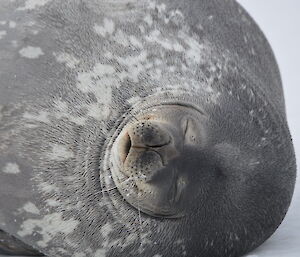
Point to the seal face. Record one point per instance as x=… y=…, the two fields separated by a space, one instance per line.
x=140 y=128
x=150 y=153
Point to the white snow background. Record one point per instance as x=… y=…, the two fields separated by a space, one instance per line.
x=280 y=21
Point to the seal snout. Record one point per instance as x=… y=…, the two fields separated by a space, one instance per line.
x=148 y=134
x=144 y=136
x=150 y=170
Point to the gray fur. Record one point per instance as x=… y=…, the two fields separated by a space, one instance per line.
x=72 y=72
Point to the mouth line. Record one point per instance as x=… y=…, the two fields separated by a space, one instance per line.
x=125 y=149
x=127 y=146
x=152 y=146
x=150 y=149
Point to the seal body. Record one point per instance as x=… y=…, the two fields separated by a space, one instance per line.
x=74 y=74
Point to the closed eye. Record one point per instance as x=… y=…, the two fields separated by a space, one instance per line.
x=186 y=127
x=189 y=131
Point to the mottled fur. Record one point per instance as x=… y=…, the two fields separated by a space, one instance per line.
x=73 y=72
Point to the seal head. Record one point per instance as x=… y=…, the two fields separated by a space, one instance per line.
x=156 y=158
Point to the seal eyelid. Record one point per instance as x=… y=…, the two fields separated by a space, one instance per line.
x=189 y=130
x=186 y=126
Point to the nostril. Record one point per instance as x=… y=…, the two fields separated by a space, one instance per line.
x=125 y=145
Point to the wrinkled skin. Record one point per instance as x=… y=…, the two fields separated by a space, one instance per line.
x=139 y=128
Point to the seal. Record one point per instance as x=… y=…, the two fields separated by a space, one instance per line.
x=139 y=128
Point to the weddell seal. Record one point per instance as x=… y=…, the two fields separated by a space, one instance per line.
x=139 y=128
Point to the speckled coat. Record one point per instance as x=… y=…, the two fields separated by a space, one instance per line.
x=70 y=71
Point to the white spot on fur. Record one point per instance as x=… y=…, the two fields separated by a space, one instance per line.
x=52 y=202
x=12 y=24
x=3 y=33
x=148 y=19
x=156 y=37
x=100 y=253
x=107 y=28
x=61 y=106
x=85 y=79
x=68 y=59
x=151 y=5
x=98 y=112
x=3 y=23
x=130 y=239
x=157 y=255
x=31 y=52
x=106 y=230
x=194 y=53
x=31 y=208
x=121 y=38
x=47 y=188
x=99 y=81
x=134 y=41
x=30 y=23
x=42 y=116
x=142 y=29
x=161 y=7
x=14 y=43
x=176 y=16
x=32 y=4
x=60 y=153
x=134 y=64
x=31 y=126
x=103 y=69
x=61 y=112
x=78 y=120
x=11 y=168
x=48 y=227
